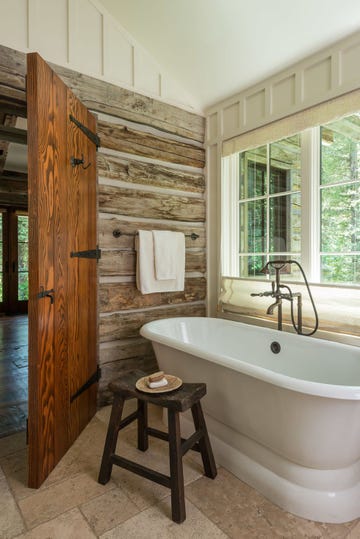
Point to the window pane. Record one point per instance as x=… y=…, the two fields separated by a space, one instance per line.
x=285 y=165
x=23 y=257
x=340 y=269
x=340 y=218
x=253 y=172
x=250 y=266
x=23 y=286
x=285 y=223
x=23 y=228
x=23 y=254
x=340 y=150
x=253 y=226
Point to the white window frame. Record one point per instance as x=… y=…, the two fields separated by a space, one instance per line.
x=310 y=211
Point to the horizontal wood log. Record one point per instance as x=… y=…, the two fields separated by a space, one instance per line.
x=13 y=134
x=126 y=325
x=128 y=229
x=124 y=349
x=111 y=371
x=141 y=173
x=121 y=296
x=137 y=203
x=123 y=263
x=102 y=96
x=125 y=139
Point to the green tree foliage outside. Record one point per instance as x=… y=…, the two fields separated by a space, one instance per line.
x=23 y=257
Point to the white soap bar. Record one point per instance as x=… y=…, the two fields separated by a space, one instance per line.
x=160 y=383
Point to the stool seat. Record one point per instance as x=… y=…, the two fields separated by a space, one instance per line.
x=181 y=399
x=187 y=397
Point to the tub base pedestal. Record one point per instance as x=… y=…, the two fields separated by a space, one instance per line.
x=330 y=496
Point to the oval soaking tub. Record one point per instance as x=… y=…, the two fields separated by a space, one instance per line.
x=283 y=411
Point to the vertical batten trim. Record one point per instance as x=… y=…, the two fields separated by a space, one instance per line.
x=68 y=31
x=28 y=30
x=133 y=76
x=102 y=45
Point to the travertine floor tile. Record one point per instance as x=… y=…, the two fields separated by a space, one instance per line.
x=83 y=457
x=11 y=523
x=242 y=512
x=13 y=443
x=156 y=522
x=143 y=492
x=107 y=511
x=56 y=499
x=355 y=532
x=70 y=525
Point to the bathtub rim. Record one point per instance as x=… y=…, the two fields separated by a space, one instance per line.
x=294 y=384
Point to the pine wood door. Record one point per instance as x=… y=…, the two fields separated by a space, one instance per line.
x=62 y=288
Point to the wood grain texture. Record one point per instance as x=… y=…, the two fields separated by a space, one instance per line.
x=135 y=203
x=122 y=296
x=124 y=139
x=113 y=370
x=107 y=240
x=126 y=170
x=124 y=349
x=41 y=420
x=62 y=217
x=124 y=262
x=126 y=325
x=104 y=97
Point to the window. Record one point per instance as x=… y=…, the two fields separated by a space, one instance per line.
x=297 y=198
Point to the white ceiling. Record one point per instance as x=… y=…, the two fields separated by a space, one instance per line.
x=215 y=48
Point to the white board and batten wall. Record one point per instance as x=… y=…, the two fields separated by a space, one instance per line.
x=83 y=36
x=321 y=77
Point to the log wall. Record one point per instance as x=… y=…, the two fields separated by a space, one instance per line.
x=148 y=179
x=150 y=169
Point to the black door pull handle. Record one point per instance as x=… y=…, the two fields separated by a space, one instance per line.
x=46 y=294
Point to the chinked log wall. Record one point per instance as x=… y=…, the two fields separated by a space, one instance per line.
x=150 y=168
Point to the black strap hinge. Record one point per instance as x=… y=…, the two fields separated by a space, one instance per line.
x=91 y=253
x=90 y=134
x=94 y=378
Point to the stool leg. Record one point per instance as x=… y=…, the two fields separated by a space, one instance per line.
x=176 y=468
x=204 y=442
x=111 y=439
x=143 y=438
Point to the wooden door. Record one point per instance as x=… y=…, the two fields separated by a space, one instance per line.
x=62 y=285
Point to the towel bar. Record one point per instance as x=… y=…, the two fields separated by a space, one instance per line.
x=117 y=233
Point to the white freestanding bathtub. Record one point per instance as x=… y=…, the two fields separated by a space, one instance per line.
x=287 y=423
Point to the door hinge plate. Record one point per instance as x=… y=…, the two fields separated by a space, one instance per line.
x=91 y=253
x=94 y=378
x=90 y=134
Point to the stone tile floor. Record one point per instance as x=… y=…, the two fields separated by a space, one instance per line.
x=13 y=374
x=72 y=505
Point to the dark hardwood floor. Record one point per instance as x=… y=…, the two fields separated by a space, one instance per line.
x=13 y=374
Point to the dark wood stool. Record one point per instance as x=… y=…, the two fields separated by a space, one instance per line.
x=180 y=400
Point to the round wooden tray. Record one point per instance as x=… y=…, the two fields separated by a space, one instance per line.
x=173 y=383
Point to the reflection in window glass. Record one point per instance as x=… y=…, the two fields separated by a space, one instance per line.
x=285 y=165
x=253 y=226
x=253 y=166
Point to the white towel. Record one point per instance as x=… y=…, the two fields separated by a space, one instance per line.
x=146 y=280
x=169 y=252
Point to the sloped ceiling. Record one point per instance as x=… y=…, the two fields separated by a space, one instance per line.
x=215 y=48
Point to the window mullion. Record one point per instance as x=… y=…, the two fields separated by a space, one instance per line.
x=310 y=224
